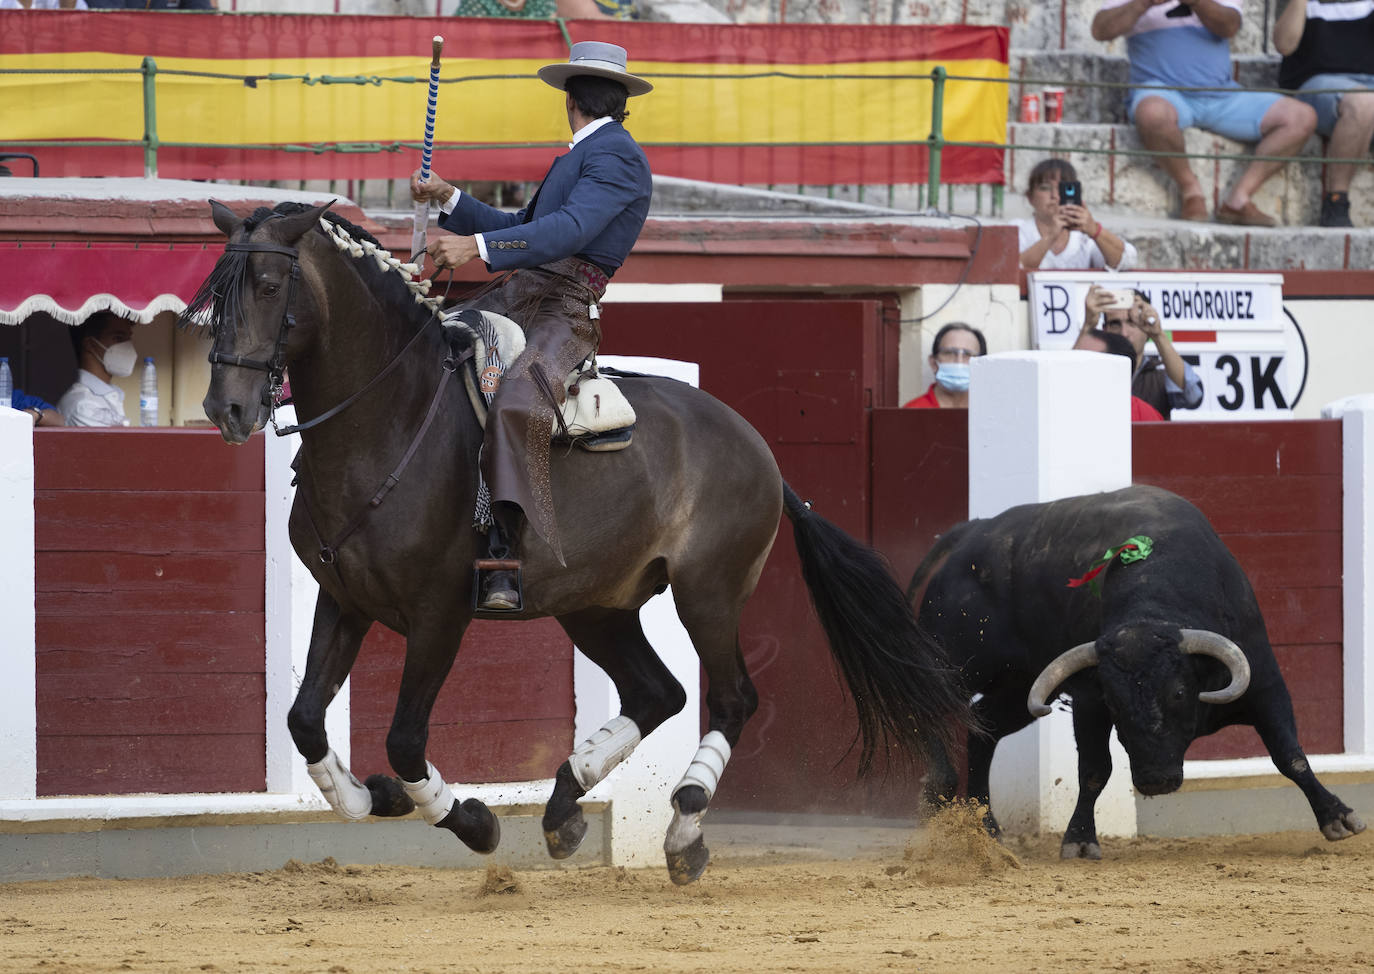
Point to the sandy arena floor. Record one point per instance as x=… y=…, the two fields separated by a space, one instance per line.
x=950 y=901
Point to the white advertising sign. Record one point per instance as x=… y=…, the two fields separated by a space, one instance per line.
x=1231 y=328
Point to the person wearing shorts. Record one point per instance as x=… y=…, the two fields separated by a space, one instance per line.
x=1326 y=47
x=1187 y=45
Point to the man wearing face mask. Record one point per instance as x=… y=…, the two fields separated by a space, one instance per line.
x=104 y=350
x=955 y=345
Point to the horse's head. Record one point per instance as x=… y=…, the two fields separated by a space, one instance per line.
x=258 y=311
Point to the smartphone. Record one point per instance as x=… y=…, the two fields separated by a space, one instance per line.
x=1070 y=192
x=1122 y=300
x=1182 y=10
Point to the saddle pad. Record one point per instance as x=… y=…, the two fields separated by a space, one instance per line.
x=593 y=404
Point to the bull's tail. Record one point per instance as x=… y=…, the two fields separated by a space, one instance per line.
x=904 y=689
x=928 y=564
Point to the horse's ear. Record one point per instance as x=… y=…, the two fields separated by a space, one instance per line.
x=224 y=218
x=290 y=229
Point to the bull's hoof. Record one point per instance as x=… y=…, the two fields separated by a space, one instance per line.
x=687 y=865
x=564 y=840
x=1080 y=850
x=1343 y=827
x=389 y=798
x=475 y=824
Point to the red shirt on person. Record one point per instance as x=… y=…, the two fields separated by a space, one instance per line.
x=927 y=401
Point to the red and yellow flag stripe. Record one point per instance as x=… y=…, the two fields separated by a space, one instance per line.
x=790 y=103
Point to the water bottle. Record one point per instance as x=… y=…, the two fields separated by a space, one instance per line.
x=6 y=384
x=147 y=394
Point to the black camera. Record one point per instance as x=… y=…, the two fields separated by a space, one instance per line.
x=1070 y=193
x=1182 y=10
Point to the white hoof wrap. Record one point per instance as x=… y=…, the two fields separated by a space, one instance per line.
x=345 y=793
x=594 y=758
x=708 y=764
x=432 y=796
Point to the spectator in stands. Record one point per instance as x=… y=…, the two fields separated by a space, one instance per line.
x=1163 y=380
x=153 y=4
x=1188 y=45
x=1330 y=46
x=104 y=349
x=1096 y=340
x=1066 y=237
x=955 y=345
x=43 y=412
x=43 y=5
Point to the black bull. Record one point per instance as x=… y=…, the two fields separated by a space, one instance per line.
x=1151 y=655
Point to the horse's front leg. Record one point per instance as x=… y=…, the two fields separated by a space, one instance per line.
x=334 y=642
x=429 y=656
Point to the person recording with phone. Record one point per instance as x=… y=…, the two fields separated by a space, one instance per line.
x=1164 y=379
x=1063 y=234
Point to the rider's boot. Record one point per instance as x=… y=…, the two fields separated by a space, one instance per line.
x=498 y=576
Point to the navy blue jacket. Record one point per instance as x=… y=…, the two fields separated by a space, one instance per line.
x=591 y=205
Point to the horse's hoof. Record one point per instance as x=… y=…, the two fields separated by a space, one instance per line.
x=565 y=840
x=687 y=865
x=1343 y=826
x=475 y=824
x=1080 y=850
x=389 y=798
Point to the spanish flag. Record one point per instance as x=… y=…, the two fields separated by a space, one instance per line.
x=289 y=97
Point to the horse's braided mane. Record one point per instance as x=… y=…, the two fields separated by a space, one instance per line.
x=216 y=303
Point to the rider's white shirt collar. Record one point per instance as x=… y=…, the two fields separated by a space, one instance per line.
x=588 y=129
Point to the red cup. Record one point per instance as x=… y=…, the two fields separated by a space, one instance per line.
x=1030 y=108
x=1054 y=105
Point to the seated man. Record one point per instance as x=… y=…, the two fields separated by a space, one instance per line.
x=104 y=349
x=43 y=412
x=1188 y=45
x=1328 y=46
x=1163 y=380
x=1096 y=340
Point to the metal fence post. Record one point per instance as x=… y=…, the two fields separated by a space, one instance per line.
x=936 y=142
x=149 y=118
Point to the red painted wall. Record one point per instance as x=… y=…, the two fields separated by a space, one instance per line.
x=150 y=626
x=1272 y=491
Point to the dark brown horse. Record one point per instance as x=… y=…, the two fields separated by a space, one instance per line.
x=693 y=503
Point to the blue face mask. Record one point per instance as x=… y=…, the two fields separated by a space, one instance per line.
x=953 y=376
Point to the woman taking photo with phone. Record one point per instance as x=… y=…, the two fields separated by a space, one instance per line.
x=1062 y=235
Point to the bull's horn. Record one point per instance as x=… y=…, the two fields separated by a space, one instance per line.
x=1059 y=670
x=1209 y=643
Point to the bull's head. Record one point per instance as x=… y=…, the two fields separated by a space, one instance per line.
x=1152 y=690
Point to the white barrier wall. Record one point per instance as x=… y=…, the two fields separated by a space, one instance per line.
x=1043 y=426
x=18 y=709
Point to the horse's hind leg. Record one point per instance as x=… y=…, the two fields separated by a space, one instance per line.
x=429 y=657
x=730 y=701
x=334 y=642
x=649 y=695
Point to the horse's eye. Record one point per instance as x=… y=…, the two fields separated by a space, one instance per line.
x=270 y=290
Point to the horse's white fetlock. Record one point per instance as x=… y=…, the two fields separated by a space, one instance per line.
x=595 y=757
x=432 y=797
x=707 y=765
x=345 y=794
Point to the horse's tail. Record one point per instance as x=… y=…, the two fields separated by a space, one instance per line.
x=904 y=688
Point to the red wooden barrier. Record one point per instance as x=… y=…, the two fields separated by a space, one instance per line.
x=1272 y=490
x=150 y=625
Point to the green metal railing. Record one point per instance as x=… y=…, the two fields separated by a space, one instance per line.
x=936 y=143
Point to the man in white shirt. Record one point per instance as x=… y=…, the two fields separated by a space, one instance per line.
x=1188 y=45
x=104 y=350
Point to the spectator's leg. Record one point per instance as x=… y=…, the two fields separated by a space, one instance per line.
x=1157 y=122
x=1284 y=128
x=1350 y=138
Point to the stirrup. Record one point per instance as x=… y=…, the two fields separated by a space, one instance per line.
x=482 y=571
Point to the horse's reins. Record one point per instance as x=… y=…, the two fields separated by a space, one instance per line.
x=275 y=367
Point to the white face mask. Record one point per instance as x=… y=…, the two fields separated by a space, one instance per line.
x=120 y=358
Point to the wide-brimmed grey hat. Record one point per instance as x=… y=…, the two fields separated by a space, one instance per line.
x=599 y=59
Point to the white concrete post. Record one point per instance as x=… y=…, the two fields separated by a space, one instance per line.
x=640 y=789
x=291 y=593
x=18 y=692
x=1045 y=425
x=1356 y=414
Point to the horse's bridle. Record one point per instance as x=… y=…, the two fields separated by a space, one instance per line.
x=275 y=367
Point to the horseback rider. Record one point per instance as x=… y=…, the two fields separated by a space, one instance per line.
x=562 y=248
